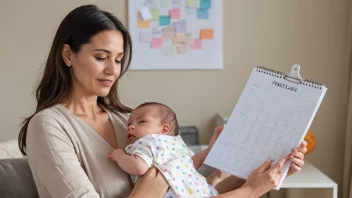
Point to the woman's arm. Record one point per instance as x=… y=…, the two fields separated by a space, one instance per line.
x=53 y=161
x=131 y=164
x=150 y=185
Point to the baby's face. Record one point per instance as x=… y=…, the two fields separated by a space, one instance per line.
x=143 y=121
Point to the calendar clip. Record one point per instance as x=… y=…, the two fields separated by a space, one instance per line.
x=294 y=76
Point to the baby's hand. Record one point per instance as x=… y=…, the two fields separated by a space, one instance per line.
x=116 y=154
x=215 y=136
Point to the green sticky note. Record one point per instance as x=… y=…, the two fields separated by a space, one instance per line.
x=164 y=20
x=192 y=3
x=155 y=13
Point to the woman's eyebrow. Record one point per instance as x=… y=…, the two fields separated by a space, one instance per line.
x=107 y=51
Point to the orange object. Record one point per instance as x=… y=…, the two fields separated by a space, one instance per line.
x=206 y=34
x=143 y=24
x=311 y=142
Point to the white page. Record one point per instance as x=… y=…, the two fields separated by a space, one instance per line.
x=271 y=117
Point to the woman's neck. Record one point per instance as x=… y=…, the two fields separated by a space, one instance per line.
x=85 y=106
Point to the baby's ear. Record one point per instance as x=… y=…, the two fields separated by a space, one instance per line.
x=165 y=129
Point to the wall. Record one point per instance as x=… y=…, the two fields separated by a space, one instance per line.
x=271 y=33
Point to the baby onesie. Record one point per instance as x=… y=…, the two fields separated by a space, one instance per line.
x=173 y=159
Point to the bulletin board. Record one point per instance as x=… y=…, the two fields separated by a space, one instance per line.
x=176 y=34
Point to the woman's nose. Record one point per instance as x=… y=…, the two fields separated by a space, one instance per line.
x=112 y=68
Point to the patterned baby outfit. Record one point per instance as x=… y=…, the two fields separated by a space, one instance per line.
x=173 y=159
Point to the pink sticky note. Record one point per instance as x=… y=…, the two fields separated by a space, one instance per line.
x=181 y=48
x=156 y=43
x=197 y=44
x=175 y=13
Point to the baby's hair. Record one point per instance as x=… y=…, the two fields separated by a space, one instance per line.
x=168 y=116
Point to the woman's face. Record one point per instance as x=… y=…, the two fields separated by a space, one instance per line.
x=96 y=67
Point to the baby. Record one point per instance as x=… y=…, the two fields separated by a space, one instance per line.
x=153 y=140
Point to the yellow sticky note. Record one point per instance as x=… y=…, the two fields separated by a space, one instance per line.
x=170 y=50
x=143 y=24
x=179 y=38
x=192 y=3
x=155 y=14
x=206 y=34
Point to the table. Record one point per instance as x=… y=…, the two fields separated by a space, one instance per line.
x=310 y=177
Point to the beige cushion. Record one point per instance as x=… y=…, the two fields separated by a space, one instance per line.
x=9 y=149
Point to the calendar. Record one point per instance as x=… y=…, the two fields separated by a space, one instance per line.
x=272 y=116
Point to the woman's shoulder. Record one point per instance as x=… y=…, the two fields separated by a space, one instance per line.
x=51 y=116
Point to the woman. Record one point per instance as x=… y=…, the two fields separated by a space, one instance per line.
x=79 y=118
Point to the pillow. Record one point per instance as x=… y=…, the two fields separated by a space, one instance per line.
x=16 y=179
x=10 y=149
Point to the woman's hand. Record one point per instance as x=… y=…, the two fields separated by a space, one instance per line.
x=151 y=184
x=297 y=158
x=215 y=136
x=265 y=177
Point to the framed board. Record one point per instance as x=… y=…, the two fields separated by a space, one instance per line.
x=176 y=34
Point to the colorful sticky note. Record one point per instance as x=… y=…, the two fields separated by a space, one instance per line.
x=191 y=11
x=202 y=13
x=179 y=38
x=144 y=37
x=197 y=44
x=179 y=26
x=143 y=24
x=156 y=43
x=205 y=4
x=170 y=50
x=192 y=3
x=206 y=34
x=164 y=20
x=175 y=13
x=189 y=38
x=165 y=3
x=155 y=13
x=181 y=48
x=157 y=31
x=168 y=32
x=176 y=3
x=145 y=13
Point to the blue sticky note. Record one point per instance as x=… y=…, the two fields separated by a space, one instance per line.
x=205 y=4
x=164 y=20
x=202 y=13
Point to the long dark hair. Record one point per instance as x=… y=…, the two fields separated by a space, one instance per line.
x=77 y=28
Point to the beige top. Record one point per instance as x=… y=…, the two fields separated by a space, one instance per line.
x=69 y=159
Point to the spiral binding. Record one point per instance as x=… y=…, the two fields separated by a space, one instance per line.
x=283 y=75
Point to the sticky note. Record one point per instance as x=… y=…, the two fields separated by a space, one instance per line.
x=181 y=48
x=206 y=34
x=144 y=37
x=191 y=11
x=192 y=3
x=179 y=38
x=145 y=13
x=143 y=24
x=164 y=20
x=170 y=50
x=202 y=13
x=175 y=13
x=176 y=3
x=189 y=38
x=165 y=3
x=168 y=32
x=156 y=43
x=205 y=4
x=155 y=13
x=179 y=26
x=157 y=31
x=197 y=44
